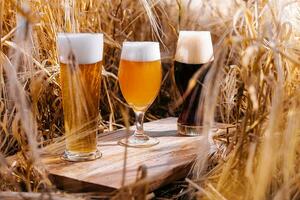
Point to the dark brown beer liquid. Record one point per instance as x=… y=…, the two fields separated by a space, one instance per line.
x=183 y=73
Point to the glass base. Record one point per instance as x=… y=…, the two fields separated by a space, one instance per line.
x=139 y=142
x=80 y=157
x=186 y=130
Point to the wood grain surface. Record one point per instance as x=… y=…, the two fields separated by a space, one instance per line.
x=170 y=160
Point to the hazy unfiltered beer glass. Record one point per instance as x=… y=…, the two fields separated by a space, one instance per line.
x=140 y=77
x=80 y=56
x=194 y=50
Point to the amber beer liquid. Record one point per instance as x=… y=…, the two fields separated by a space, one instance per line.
x=82 y=84
x=194 y=53
x=140 y=94
x=80 y=56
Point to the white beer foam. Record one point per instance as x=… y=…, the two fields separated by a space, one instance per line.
x=194 y=47
x=86 y=47
x=140 y=51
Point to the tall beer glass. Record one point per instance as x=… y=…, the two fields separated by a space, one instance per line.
x=140 y=77
x=80 y=56
x=194 y=51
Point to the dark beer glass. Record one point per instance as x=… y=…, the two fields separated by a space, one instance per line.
x=194 y=51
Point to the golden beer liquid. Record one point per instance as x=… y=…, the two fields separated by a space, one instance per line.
x=140 y=82
x=81 y=95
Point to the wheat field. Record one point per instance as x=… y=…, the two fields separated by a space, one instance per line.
x=254 y=84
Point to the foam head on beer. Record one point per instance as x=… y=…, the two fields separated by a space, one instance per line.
x=140 y=51
x=194 y=47
x=87 y=48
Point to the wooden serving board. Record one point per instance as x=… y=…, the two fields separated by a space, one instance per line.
x=170 y=160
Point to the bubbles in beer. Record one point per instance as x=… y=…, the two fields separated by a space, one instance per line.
x=140 y=51
x=194 y=47
x=87 y=48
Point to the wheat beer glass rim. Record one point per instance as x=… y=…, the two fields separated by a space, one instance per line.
x=86 y=48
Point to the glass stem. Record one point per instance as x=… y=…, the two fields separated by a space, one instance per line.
x=139 y=119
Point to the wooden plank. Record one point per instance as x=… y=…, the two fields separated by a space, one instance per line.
x=169 y=160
